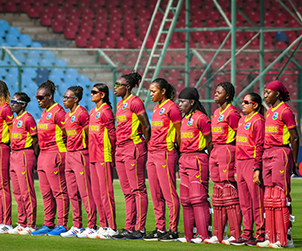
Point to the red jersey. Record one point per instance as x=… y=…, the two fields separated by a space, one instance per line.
x=128 y=126
x=193 y=130
x=24 y=127
x=163 y=132
x=75 y=125
x=225 y=125
x=50 y=129
x=6 y=119
x=101 y=134
x=250 y=138
x=279 y=121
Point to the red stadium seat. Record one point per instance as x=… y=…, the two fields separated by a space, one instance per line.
x=75 y=12
x=34 y=12
x=99 y=33
x=74 y=2
x=84 y=33
x=81 y=41
x=109 y=43
x=95 y=42
x=122 y=43
x=114 y=34
x=87 y=26
x=69 y=33
x=48 y=11
x=87 y=13
x=135 y=43
x=25 y=6
x=58 y=26
x=129 y=34
x=11 y=6
x=46 y=19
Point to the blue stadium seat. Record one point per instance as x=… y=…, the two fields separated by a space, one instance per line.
x=31 y=89
x=62 y=87
x=11 y=84
x=46 y=62
x=56 y=79
x=3 y=72
x=13 y=30
x=71 y=71
x=70 y=79
x=58 y=72
x=25 y=40
x=30 y=72
x=13 y=71
x=32 y=62
x=34 y=109
x=83 y=79
x=20 y=57
x=42 y=75
x=34 y=54
x=1 y=39
x=48 y=54
x=60 y=62
x=11 y=40
x=36 y=45
x=3 y=25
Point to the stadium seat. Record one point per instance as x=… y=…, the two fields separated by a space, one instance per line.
x=11 y=6
x=12 y=30
x=94 y=42
x=81 y=41
x=58 y=26
x=30 y=72
x=83 y=79
x=11 y=40
x=60 y=62
x=69 y=33
x=36 y=45
x=46 y=19
x=25 y=40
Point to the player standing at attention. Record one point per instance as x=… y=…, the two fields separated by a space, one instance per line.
x=6 y=123
x=77 y=163
x=131 y=155
x=101 y=156
x=279 y=162
x=162 y=159
x=24 y=145
x=193 y=165
x=51 y=161
x=225 y=198
x=249 y=150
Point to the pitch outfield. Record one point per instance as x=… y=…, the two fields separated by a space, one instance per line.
x=14 y=242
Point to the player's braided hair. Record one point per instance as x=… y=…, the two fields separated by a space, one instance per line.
x=77 y=90
x=4 y=93
x=104 y=88
x=49 y=86
x=229 y=89
x=170 y=89
x=133 y=79
x=23 y=97
x=255 y=97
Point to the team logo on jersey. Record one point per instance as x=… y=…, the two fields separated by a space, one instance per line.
x=97 y=115
x=220 y=118
x=275 y=116
x=125 y=105
x=48 y=115
x=247 y=126
x=72 y=119
x=19 y=124
x=162 y=110
x=190 y=122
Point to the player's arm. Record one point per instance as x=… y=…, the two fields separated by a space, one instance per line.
x=143 y=119
x=209 y=143
x=36 y=145
x=178 y=138
x=294 y=141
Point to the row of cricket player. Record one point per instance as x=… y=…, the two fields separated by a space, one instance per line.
x=249 y=157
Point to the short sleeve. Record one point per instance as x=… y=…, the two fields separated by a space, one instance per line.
x=84 y=119
x=137 y=106
x=288 y=118
x=174 y=114
x=204 y=125
x=7 y=115
x=233 y=119
x=60 y=118
x=30 y=126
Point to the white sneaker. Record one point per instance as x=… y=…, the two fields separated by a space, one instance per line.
x=108 y=234
x=263 y=244
x=72 y=232
x=212 y=240
x=15 y=230
x=289 y=244
x=197 y=240
x=27 y=231
x=181 y=239
x=5 y=228
x=92 y=235
x=86 y=232
x=227 y=241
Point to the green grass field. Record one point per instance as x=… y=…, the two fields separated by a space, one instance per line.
x=15 y=242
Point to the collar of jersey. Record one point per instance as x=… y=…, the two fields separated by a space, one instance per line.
x=51 y=107
x=96 y=109
x=190 y=114
x=127 y=98
x=17 y=117
x=273 y=109
x=246 y=120
x=71 y=113
x=220 y=112
x=160 y=105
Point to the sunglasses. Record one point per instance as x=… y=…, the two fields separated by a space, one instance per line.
x=14 y=102
x=118 y=84
x=93 y=92
x=66 y=97
x=41 y=97
x=246 y=102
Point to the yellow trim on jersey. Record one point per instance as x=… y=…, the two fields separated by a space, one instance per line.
x=5 y=134
x=160 y=105
x=47 y=109
x=231 y=135
x=96 y=109
x=84 y=138
x=220 y=112
x=201 y=141
x=108 y=197
x=71 y=113
x=127 y=98
x=29 y=141
x=138 y=190
x=61 y=189
x=274 y=108
x=285 y=167
x=286 y=135
x=28 y=187
x=59 y=140
x=170 y=139
x=247 y=119
x=260 y=208
x=107 y=146
x=18 y=117
x=134 y=128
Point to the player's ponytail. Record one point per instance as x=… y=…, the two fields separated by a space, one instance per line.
x=133 y=79
x=104 y=88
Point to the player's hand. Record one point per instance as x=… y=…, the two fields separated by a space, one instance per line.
x=256 y=179
x=235 y=176
x=296 y=169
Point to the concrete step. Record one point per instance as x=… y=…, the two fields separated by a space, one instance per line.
x=10 y=17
